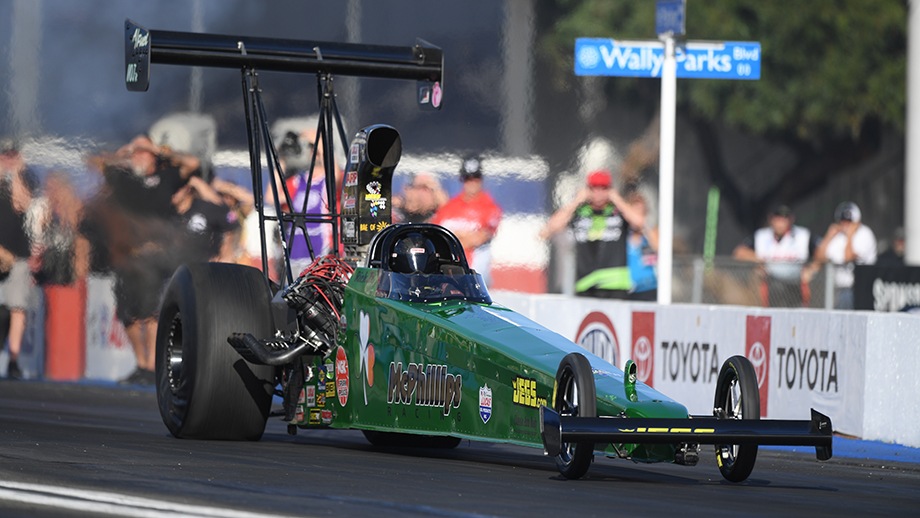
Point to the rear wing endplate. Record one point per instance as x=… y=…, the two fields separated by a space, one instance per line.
x=422 y=61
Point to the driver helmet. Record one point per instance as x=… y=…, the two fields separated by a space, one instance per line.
x=414 y=253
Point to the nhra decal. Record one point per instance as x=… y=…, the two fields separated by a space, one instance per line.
x=341 y=376
x=757 y=350
x=643 y=352
x=431 y=385
x=485 y=403
x=525 y=393
x=800 y=367
x=597 y=335
x=684 y=361
x=367 y=352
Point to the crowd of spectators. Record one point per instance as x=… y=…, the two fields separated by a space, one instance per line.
x=158 y=208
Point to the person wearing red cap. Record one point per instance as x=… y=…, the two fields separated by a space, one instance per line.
x=599 y=218
x=474 y=216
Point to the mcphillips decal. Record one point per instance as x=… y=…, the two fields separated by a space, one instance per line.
x=430 y=385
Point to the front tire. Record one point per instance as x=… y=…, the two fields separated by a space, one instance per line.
x=205 y=389
x=737 y=397
x=575 y=395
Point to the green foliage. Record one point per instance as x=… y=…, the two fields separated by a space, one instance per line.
x=827 y=68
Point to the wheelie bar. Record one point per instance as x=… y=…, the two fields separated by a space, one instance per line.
x=557 y=430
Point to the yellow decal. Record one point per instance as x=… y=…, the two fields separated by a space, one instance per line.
x=525 y=393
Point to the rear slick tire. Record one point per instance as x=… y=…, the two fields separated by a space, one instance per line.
x=737 y=397
x=575 y=395
x=205 y=389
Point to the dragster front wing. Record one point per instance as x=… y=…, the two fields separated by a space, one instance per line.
x=556 y=430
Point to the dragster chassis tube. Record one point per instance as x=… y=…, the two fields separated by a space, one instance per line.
x=557 y=430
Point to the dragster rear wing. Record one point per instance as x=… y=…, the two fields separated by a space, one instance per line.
x=422 y=61
x=556 y=429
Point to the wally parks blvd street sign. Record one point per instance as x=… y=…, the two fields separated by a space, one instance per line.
x=699 y=60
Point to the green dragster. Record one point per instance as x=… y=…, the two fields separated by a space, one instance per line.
x=395 y=334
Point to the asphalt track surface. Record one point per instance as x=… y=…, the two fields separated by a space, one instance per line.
x=101 y=450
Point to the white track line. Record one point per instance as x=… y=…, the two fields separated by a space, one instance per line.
x=111 y=503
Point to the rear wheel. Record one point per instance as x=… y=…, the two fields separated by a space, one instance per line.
x=737 y=397
x=205 y=389
x=575 y=395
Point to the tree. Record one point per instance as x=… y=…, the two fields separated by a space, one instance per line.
x=833 y=77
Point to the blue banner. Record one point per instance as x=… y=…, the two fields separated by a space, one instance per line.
x=698 y=60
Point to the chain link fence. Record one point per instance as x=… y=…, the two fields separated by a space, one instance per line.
x=724 y=280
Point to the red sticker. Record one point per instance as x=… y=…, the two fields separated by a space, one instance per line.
x=341 y=376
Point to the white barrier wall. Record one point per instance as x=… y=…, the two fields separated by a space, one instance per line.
x=109 y=355
x=856 y=367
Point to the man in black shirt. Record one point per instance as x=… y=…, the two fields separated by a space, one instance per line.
x=142 y=178
x=15 y=248
x=206 y=222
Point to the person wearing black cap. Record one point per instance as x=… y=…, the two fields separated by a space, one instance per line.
x=474 y=217
x=848 y=242
x=782 y=249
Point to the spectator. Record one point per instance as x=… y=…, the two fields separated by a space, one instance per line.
x=141 y=179
x=420 y=200
x=307 y=195
x=207 y=223
x=474 y=217
x=780 y=249
x=16 y=186
x=847 y=243
x=599 y=217
x=894 y=256
x=642 y=252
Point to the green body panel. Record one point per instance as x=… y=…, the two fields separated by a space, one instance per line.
x=465 y=369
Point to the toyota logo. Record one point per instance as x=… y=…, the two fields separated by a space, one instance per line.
x=642 y=355
x=758 y=357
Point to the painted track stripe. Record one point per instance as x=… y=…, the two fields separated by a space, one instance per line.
x=115 y=504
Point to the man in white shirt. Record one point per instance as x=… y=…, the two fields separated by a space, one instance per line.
x=782 y=248
x=847 y=243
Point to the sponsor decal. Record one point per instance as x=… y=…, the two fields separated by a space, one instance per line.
x=798 y=368
x=373 y=227
x=596 y=334
x=341 y=376
x=485 y=403
x=436 y=95
x=643 y=350
x=329 y=370
x=325 y=416
x=377 y=201
x=131 y=73
x=666 y=430
x=894 y=296
x=351 y=178
x=302 y=398
x=367 y=352
x=311 y=396
x=320 y=395
x=355 y=154
x=298 y=414
x=757 y=350
x=330 y=389
x=424 y=385
x=525 y=393
x=140 y=39
x=685 y=361
x=314 y=416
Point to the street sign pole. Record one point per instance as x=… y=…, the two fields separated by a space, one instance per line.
x=666 y=171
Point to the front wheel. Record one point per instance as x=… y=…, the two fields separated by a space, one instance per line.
x=737 y=397
x=575 y=395
x=205 y=389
